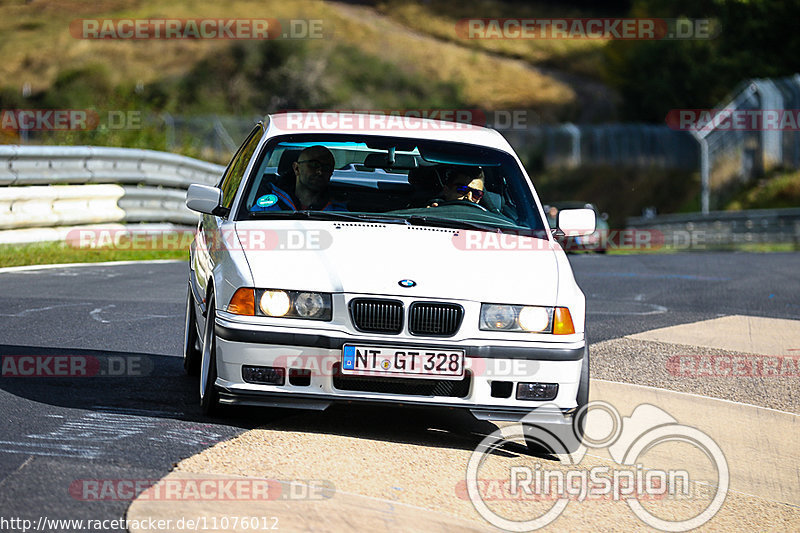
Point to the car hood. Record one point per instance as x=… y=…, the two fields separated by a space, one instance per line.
x=372 y=258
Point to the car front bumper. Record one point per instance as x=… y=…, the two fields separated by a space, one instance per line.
x=318 y=353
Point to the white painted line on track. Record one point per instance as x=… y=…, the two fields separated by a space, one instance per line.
x=25 y=268
x=694 y=395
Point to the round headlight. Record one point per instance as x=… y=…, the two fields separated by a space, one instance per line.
x=500 y=316
x=309 y=304
x=275 y=303
x=534 y=318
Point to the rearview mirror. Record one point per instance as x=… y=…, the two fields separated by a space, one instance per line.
x=577 y=222
x=203 y=199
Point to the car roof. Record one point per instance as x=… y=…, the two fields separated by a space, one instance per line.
x=326 y=122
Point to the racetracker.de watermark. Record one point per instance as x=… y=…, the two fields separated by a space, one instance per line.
x=199 y=489
x=705 y=120
x=381 y=119
x=75 y=366
x=401 y=361
x=734 y=366
x=197 y=29
x=68 y=119
x=181 y=239
x=622 y=240
x=632 y=29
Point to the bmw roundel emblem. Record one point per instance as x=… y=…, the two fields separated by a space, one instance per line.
x=407 y=283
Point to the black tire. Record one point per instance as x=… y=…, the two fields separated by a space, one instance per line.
x=583 y=395
x=192 y=350
x=209 y=395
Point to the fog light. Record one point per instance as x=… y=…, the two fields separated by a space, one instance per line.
x=537 y=391
x=264 y=375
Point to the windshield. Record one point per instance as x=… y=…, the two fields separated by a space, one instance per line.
x=394 y=180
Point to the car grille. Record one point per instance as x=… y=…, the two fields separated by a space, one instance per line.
x=435 y=319
x=408 y=386
x=377 y=316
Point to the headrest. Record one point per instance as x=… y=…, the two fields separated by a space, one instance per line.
x=288 y=157
x=401 y=161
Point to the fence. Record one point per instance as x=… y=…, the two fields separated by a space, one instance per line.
x=49 y=190
x=637 y=145
x=725 y=228
x=728 y=153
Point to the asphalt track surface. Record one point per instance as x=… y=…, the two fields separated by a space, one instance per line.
x=58 y=432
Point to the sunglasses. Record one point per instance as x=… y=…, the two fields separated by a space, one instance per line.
x=314 y=165
x=464 y=190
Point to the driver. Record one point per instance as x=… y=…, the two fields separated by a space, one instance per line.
x=461 y=184
x=307 y=189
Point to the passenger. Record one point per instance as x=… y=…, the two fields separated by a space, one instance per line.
x=552 y=216
x=462 y=184
x=310 y=188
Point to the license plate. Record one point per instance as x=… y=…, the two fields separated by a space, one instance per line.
x=428 y=363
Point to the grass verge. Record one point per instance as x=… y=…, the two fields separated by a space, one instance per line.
x=49 y=253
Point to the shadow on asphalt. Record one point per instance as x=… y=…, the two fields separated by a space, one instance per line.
x=156 y=386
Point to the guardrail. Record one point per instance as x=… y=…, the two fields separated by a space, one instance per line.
x=55 y=188
x=725 y=228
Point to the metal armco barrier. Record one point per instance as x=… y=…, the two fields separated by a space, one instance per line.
x=54 y=187
x=724 y=228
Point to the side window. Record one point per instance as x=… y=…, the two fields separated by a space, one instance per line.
x=235 y=173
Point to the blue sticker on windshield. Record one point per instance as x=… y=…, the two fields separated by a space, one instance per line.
x=267 y=200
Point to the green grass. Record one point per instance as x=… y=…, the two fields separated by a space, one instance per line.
x=778 y=189
x=49 y=253
x=763 y=247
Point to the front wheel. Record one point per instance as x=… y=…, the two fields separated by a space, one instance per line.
x=209 y=396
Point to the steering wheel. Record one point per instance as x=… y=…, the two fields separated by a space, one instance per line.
x=463 y=202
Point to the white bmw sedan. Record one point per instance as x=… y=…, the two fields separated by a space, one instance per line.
x=384 y=260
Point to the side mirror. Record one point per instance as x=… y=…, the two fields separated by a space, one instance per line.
x=577 y=222
x=204 y=199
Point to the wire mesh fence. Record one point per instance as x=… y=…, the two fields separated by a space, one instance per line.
x=723 y=153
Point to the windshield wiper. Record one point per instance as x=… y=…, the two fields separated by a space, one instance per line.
x=332 y=215
x=307 y=215
x=413 y=220
x=424 y=220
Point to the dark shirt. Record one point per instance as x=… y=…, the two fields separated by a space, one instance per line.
x=280 y=196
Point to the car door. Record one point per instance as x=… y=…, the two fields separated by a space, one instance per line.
x=211 y=233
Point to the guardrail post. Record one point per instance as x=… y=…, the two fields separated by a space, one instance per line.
x=705 y=176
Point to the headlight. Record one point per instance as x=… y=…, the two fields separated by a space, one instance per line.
x=294 y=304
x=496 y=317
x=534 y=318
x=274 y=303
x=309 y=304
